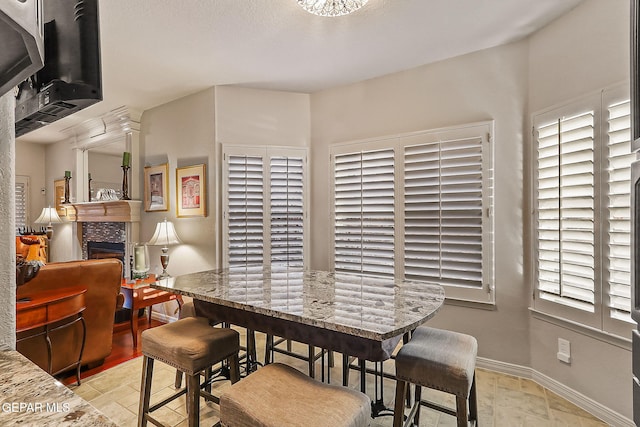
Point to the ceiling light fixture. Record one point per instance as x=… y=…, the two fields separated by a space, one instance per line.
x=331 y=7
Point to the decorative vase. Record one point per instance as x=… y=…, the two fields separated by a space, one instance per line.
x=141 y=265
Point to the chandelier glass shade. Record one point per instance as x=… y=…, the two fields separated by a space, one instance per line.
x=331 y=7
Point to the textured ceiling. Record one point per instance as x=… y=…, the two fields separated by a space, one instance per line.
x=154 y=51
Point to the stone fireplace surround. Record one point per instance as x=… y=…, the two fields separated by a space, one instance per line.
x=100 y=242
x=107 y=222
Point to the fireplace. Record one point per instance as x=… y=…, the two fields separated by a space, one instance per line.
x=101 y=250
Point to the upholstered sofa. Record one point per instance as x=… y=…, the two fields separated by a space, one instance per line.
x=102 y=278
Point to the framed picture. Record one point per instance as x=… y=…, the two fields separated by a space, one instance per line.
x=156 y=188
x=58 y=196
x=191 y=193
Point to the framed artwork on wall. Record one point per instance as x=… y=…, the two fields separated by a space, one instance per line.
x=191 y=196
x=58 y=196
x=156 y=188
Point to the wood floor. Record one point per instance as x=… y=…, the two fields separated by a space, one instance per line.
x=121 y=351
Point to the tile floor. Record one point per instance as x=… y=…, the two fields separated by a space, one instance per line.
x=503 y=400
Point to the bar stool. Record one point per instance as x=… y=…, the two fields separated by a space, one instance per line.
x=278 y=395
x=441 y=360
x=186 y=310
x=190 y=345
x=247 y=352
x=271 y=347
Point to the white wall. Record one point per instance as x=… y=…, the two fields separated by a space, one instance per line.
x=262 y=117
x=187 y=131
x=60 y=158
x=490 y=84
x=181 y=133
x=581 y=52
x=105 y=168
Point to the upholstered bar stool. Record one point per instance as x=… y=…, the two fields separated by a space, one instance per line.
x=190 y=345
x=278 y=395
x=271 y=347
x=441 y=360
x=186 y=310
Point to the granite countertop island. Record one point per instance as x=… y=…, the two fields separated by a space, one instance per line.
x=364 y=306
x=31 y=397
x=362 y=316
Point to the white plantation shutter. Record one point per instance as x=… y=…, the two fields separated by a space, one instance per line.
x=287 y=210
x=22 y=201
x=364 y=203
x=264 y=206
x=418 y=207
x=245 y=214
x=443 y=210
x=619 y=157
x=583 y=211
x=566 y=209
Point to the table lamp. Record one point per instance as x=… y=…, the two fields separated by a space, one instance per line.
x=164 y=236
x=48 y=216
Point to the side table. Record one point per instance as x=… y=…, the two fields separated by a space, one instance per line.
x=44 y=308
x=140 y=294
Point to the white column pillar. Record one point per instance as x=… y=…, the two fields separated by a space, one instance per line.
x=8 y=223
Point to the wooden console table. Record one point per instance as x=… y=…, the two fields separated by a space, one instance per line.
x=140 y=294
x=44 y=308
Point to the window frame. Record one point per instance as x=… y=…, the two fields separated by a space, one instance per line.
x=599 y=319
x=484 y=294
x=24 y=179
x=266 y=153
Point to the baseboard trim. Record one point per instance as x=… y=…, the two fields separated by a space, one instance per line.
x=164 y=318
x=607 y=415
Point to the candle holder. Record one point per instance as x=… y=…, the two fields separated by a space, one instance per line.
x=89 y=188
x=125 y=183
x=66 y=189
x=141 y=265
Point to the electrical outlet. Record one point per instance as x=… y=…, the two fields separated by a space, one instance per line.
x=564 y=350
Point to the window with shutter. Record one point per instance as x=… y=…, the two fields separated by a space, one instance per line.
x=566 y=210
x=417 y=206
x=582 y=216
x=264 y=208
x=364 y=207
x=22 y=202
x=443 y=212
x=287 y=210
x=245 y=210
x=617 y=265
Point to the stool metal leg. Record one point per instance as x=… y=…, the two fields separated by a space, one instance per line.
x=145 y=390
x=345 y=370
x=312 y=361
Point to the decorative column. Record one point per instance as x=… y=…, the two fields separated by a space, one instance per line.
x=8 y=224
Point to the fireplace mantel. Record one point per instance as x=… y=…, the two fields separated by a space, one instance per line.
x=104 y=211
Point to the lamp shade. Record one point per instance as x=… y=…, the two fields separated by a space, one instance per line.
x=164 y=235
x=48 y=216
